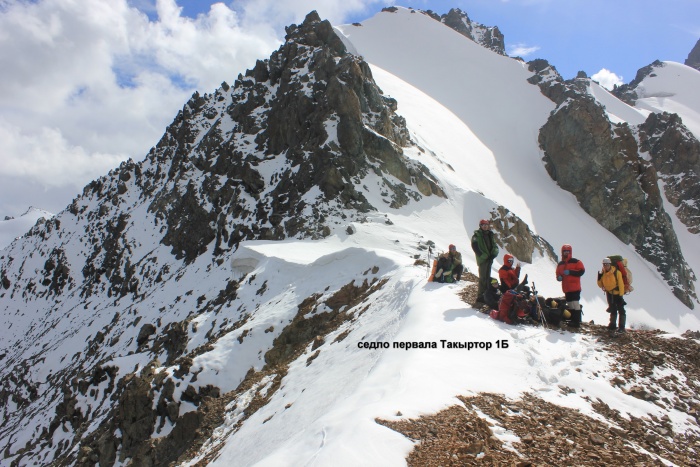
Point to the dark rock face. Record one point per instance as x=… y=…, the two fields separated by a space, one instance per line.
x=599 y=163
x=551 y=83
x=693 y=59
x=675 y=153
x=628 y=92
x=312 y=113
x=292 y=149
x=489 y=37
x=515 y=236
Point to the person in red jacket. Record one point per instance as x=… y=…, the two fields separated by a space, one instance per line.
x=509 y=275
x=569 y=272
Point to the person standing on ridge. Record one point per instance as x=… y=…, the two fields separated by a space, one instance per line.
x=509 y=275
x=569 y=272
x=486 y=250
x=610 y=280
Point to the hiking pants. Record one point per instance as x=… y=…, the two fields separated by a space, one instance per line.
x=616 y=305
x=573 y=304
x=484 y=277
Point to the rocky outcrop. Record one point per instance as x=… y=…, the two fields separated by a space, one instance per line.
x=599 y=163
x=628 y=92
x=675 y=153
x=486 y=36
x=548 y=79
x=515 y=236
x=693 y=59
x=541 y=433
x=313 y=111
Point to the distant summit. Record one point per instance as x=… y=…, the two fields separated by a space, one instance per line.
x=693 y=59
x=12 y=227
x=487 y=36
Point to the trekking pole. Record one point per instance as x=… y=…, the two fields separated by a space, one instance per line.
x=427 y=271
x=540 y=312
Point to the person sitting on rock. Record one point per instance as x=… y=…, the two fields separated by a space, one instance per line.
x=449 y=267
x=510 y=276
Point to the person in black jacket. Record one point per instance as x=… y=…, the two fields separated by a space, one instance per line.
x=492 y=295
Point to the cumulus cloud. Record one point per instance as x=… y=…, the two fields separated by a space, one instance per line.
x=49 y=159
x=522 y=50
x=88 y=84
x=607 y=79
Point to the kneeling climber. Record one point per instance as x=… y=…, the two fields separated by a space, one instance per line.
x=449 y=267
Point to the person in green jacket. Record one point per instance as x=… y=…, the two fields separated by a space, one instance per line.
x=486 y=250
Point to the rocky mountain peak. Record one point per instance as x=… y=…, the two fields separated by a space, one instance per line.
x=693 y=59
x=315 y=32
x=487 y=36
x=295 y=148
x=628 y=92
x=313 y=116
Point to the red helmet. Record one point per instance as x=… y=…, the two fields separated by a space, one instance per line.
x=452 y=248
x=508 y=259
x=483 y=222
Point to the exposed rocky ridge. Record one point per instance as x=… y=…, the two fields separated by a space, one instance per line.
x=675 y=153
x=136 y=415
x=628 y=92
x=290 y=150
x=600 y=163
x=693 y=59
x=489 y=37
x=540 y=433
x=313 y=113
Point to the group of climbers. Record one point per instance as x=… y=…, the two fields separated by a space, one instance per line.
x=614 y=279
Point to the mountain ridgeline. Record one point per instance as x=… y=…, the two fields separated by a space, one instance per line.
x=311 y=116
x=293 y=149
x=105 y=301
x=615 y=170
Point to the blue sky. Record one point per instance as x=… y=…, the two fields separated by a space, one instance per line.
x=88 y=84
x=619 y=35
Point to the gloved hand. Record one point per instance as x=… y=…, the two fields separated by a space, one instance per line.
x=567 y=272
x=559 y=278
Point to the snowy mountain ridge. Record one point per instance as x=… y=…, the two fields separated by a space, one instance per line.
x=254 y=292
x=13 y=227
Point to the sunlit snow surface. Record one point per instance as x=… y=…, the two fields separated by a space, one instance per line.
x=475 y=120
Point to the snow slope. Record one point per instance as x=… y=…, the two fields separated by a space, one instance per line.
x=477 y=129
x=477 y=133
x=672 y=88
x=489 y=137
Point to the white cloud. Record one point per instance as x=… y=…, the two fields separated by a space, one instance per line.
x=522 y=50
x=607 y=79
x=282 y=13
x=46 y=157
x=86 y=84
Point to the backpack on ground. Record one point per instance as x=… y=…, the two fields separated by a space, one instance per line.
x=555 y=311
x=621 y=265
x=431 y=278
x=512 y=308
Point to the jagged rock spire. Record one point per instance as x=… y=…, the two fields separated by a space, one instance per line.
x=693 y=59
